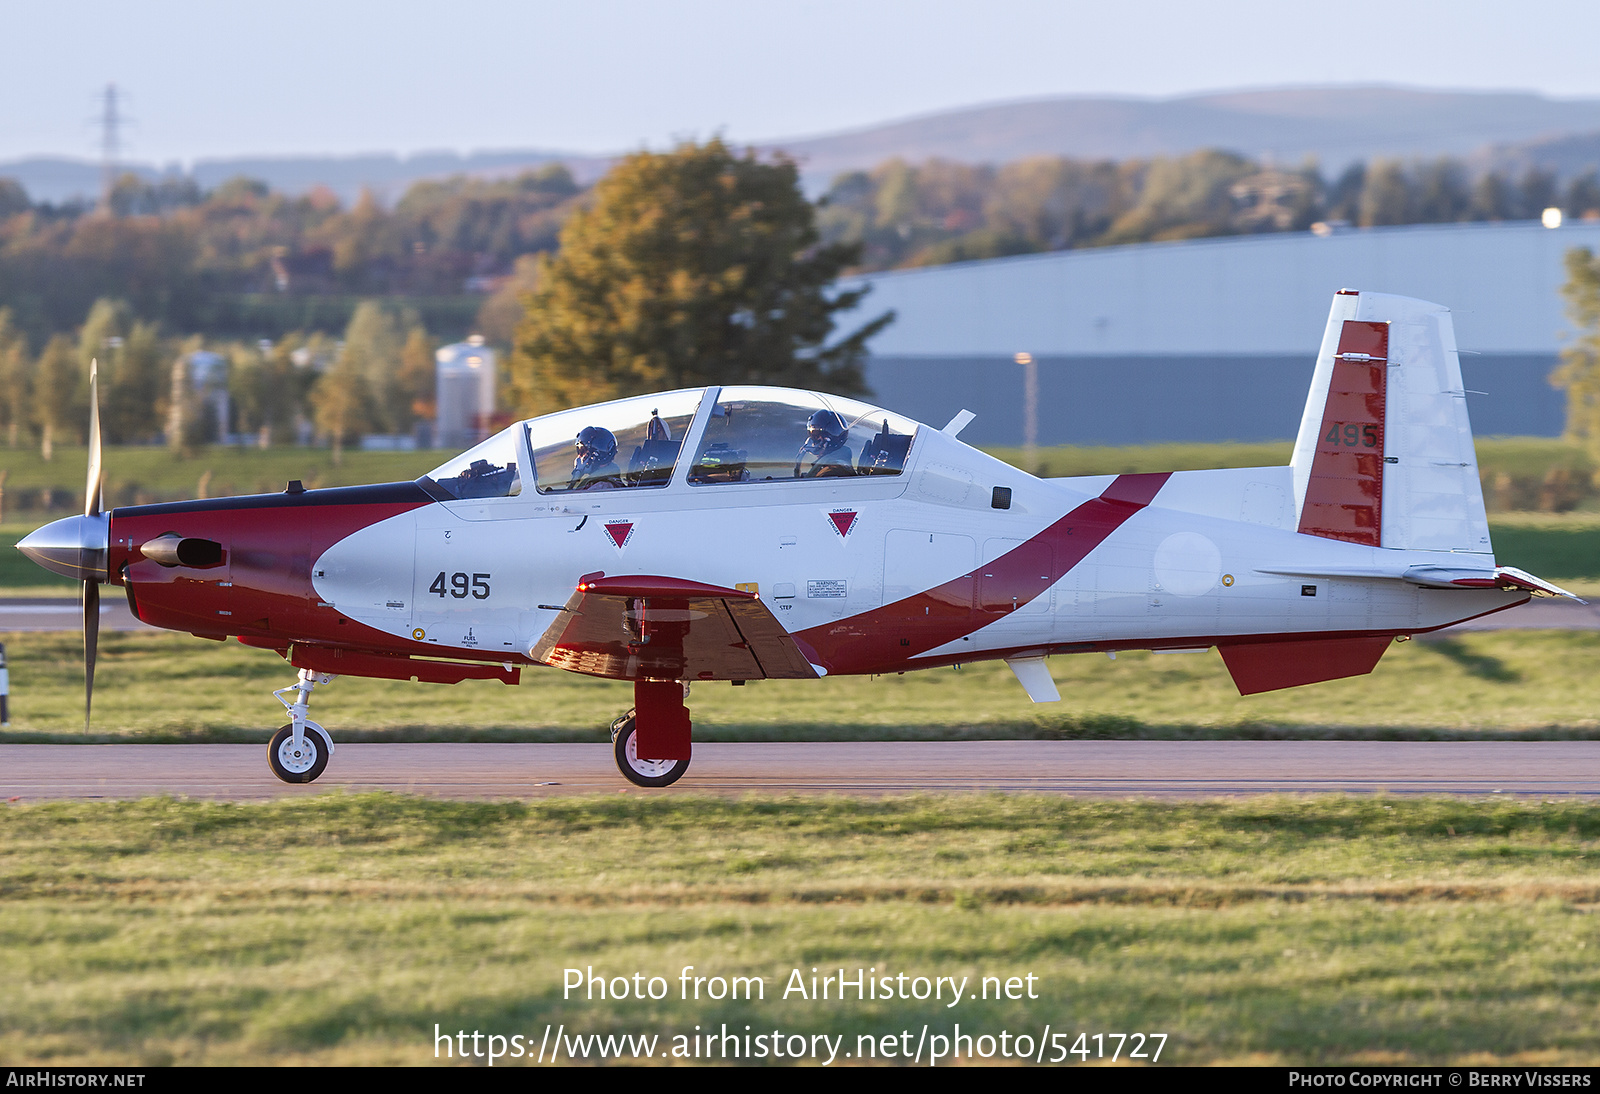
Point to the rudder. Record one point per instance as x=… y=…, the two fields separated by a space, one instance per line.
x=1384 y=456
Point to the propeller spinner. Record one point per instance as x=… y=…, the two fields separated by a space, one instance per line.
x=76 y=547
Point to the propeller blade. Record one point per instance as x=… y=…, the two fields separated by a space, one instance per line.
x=91 y=642
x=91 y=508
x=91 y=492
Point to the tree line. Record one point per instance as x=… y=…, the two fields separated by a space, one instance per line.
x=171 y=252
x=156 y=388
x=187 y=259
x=937 y=212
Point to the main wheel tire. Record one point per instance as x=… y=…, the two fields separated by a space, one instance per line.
x=642 y=772
x=301 y=765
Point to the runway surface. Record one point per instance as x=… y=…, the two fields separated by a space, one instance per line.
x=1091 y=768
x=61 y=614
x=64 y=614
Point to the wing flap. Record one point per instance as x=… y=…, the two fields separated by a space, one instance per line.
x=662 y=628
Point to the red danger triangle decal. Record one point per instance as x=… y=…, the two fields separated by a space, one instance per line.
x=619 y=531
x=843 y=521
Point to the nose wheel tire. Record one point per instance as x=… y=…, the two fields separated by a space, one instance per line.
x=641 y=772
x=302 y=764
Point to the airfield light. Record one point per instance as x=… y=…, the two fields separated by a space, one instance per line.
x=1551 y=218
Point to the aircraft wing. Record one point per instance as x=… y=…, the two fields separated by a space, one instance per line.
x=665 y=628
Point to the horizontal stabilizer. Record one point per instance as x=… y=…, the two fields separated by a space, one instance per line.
x=1331 y=571
x=1509 y=577
x=665 y=628
x=1435 y=577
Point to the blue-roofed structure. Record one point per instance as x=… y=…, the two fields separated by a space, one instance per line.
x=1212 y=340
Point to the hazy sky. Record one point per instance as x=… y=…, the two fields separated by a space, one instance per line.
x=336 y=76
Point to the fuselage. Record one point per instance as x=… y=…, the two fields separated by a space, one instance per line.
x=958 y=557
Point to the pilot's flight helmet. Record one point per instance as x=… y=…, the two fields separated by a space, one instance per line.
x=825 y=432
x=597 y=446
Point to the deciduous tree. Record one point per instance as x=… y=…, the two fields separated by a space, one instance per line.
x=696 y=266
x=1579 y=373
x=16 y=374
x=54 y=385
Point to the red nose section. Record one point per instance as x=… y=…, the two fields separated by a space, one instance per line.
x=261 y=585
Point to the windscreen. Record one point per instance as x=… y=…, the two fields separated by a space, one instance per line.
x=487 y=471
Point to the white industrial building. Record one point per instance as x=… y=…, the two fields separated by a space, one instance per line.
x=1212 y=339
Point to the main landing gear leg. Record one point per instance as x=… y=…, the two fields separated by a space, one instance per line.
x=659 y=755
x=299 y=751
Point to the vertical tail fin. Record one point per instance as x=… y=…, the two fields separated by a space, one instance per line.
x=1385 y=456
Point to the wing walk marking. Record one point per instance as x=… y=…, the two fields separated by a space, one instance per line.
x=873 y=639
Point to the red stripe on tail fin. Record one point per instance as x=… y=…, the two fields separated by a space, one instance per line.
x=1344 y=496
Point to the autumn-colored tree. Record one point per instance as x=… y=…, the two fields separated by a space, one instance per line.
x=55 y=384
x=696 y=266
x=133 y=372
x=342 y=401
x=1579 y=372
x=372 y=345
x=1184 y=198
x=499 y=315
x=16 y=376
x=133 y=408
x=415 y=378
x=265 y=388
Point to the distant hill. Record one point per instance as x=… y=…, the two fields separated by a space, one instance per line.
x=1336 y=125
x=386 y=174
x=1566 y=156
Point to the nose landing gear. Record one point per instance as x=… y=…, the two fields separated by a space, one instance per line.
x=295 y=755
x=299 y=761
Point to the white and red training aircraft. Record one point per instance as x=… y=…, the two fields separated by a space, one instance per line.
x=747 y=533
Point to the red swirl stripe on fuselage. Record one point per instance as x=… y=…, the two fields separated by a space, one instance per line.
x=885 y=639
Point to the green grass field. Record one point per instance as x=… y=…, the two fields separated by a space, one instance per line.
x=142 y=474
x=168 y=687
x=341 y=929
